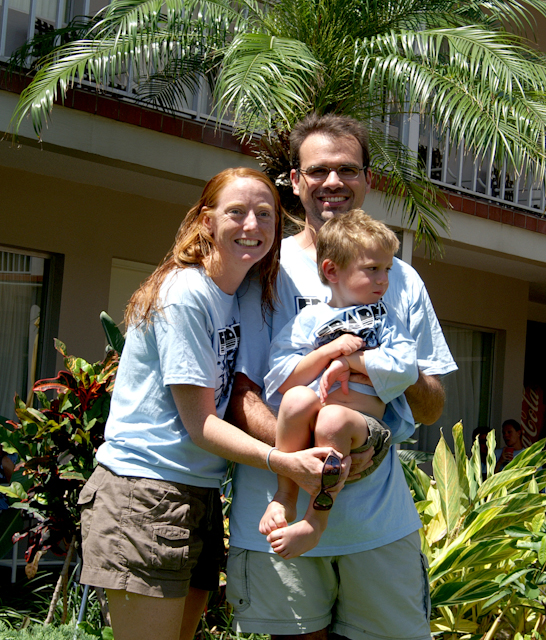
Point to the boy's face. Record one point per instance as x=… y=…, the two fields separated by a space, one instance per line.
x=364 y=281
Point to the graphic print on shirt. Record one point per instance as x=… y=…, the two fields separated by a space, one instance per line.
x=228 y=345
x=363 y=321
x=305 y=301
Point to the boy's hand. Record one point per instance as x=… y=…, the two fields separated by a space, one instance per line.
x=345 y=345
x=338 y=371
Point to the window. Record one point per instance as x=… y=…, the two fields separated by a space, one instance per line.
x=28 y=322
x=468 y=390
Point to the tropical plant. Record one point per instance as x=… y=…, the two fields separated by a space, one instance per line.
x=485 y=541
x=466 y=65
x=56 y=446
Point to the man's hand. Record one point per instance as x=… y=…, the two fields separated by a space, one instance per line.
x=360 y=462
x=426 y=398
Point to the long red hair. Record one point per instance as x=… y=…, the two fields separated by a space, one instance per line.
x=193 y=245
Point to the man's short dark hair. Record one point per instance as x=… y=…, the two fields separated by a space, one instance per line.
x=333 y=126
x=480 y=431
x=511 y=423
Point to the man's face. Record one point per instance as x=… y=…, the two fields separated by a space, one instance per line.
x=323 y=199
x=511 y=436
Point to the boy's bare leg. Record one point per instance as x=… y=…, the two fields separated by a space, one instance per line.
x=295 y=424
x=344 y=429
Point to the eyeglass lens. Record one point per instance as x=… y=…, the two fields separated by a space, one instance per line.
x=321 y=173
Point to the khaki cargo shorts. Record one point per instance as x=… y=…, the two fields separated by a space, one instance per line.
x=150 y=537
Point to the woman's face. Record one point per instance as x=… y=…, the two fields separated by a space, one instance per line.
x=242 y=225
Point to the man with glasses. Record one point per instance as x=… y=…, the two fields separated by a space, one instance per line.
x=367 y=577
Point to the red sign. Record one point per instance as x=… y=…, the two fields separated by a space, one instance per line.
x=532 y=415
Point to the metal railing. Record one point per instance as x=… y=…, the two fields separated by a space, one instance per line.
x=454 y=167
x=446 y=166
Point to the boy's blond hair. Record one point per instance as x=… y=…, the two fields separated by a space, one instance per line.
x=341 y=239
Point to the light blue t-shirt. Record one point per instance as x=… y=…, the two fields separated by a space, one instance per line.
x=194 y=340
x=379 y=509
x=498 y=454
x=391 y=356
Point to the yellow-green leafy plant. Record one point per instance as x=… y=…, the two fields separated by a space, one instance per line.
x=485 y=541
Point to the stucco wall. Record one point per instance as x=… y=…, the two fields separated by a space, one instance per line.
x=489 y=301
x=90 y=226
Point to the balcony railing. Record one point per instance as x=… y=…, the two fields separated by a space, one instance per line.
x=453 y=167
x=449 y=167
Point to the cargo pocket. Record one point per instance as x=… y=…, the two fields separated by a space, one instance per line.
x=426 y=586
x=170 y=549
x=237 y=592
x=86 y=501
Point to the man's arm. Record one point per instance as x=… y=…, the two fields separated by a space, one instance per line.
x=426 y=398
x=249 y=412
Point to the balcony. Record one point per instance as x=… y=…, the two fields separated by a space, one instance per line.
x=448 y=167
x=456 y=169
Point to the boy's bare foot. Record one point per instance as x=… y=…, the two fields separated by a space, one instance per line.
x=291 y=542
x=280 y=511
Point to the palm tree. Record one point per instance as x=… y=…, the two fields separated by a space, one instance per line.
x=466 y=64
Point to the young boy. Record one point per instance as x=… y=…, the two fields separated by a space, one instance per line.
x=314 y=355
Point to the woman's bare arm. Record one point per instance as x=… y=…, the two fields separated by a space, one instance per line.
x=198 y=413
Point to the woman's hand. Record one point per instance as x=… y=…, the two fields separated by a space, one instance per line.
x=305 y=467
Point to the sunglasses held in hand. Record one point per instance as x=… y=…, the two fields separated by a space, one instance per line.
x=331 y=472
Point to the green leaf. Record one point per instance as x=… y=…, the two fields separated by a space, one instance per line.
x=15 y=490
x=445 y=474
x=491 y=460
x=542 y=551
x=461 y=459
x=464 y=592
x=113 y=334
x=503 y=479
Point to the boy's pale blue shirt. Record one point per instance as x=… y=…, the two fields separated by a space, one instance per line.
x=393 y=364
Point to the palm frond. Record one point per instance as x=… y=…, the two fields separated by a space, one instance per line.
x=264 y=81
x=503 y=14
x=478 y=85
x=133 y=36
x=404 y=182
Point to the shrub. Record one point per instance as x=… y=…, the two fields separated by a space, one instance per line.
x=56 y=446
x=485 y=541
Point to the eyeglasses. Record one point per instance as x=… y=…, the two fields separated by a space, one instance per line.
x=344 y=172
x=331 y=472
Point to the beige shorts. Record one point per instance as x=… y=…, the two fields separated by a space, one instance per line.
x=381 y=594
x=150 y=537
